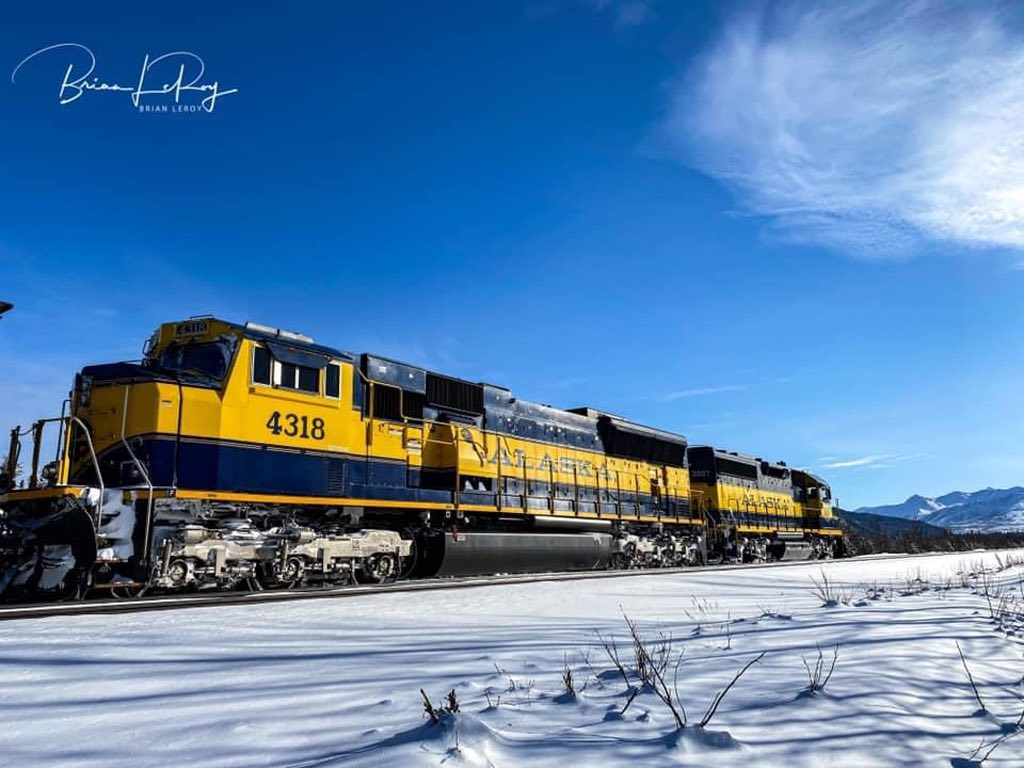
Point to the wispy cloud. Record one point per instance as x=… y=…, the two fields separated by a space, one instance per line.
x=870 y=462
x=702 y=391
x=864 y=461
x=624 y=13
x=631 y=13
x=870 y=127
x=569 y=381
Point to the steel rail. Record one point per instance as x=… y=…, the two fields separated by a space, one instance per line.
x=216 y=598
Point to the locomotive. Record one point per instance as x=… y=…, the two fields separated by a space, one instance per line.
x=244 y=455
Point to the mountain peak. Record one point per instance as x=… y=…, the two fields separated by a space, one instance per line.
x=989 y=509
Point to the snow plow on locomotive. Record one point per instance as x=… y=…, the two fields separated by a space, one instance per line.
x=245 y=455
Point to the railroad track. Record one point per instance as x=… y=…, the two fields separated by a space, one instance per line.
x=172 y=602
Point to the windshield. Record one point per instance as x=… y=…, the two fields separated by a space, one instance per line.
x=210 y=359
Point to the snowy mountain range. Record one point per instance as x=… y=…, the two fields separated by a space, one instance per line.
x=991 y=509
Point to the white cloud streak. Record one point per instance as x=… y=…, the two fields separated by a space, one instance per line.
x=871 y=462
x=625 y=14
x=872 y=128
x=702 y=391
x=864 y=461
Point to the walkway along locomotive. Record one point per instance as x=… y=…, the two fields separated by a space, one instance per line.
x=239 y=454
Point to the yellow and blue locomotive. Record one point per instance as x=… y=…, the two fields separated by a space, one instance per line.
x=763 y=510
x=246 y=454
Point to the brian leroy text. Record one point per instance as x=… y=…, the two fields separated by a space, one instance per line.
x=181 y=72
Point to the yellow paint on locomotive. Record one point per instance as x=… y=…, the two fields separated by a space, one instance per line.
x=241 y=410
x=764 y=510
x=735 y=495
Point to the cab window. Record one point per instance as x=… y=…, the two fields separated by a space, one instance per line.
x=206 y=359
x=262 y=366
x=299 y=377
x=332 y=382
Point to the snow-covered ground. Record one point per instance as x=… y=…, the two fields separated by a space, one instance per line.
x=337 y=682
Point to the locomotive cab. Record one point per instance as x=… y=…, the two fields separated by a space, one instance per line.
x=814 y=496
x=136 y=411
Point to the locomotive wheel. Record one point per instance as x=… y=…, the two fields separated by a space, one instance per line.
x=290 y=575
x=378 y=568
x=293 y=571
x=177 y=572
x=619 y=562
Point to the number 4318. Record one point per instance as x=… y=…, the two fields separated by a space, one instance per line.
x=292 y=425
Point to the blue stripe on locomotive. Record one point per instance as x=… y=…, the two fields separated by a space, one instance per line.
x=214 y=466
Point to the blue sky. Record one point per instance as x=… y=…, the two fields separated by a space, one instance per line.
x=788 y=229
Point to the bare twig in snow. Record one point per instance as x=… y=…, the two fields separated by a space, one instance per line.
x=817 y=678
x=428 y=708
x=452 y=705
x=970 y=677
x=629 y=701
x=612 y=651
x=567 y=681
x=713 y=707
x=650 y=668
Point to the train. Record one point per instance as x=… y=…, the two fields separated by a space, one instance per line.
x=246 y=456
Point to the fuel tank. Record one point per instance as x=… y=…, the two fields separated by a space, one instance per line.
x=791 y=546
x=477 y=554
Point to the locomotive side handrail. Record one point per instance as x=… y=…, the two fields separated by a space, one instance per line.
x=37 y=447
x=95 y=464
x=13 y=456
x=37 y=438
